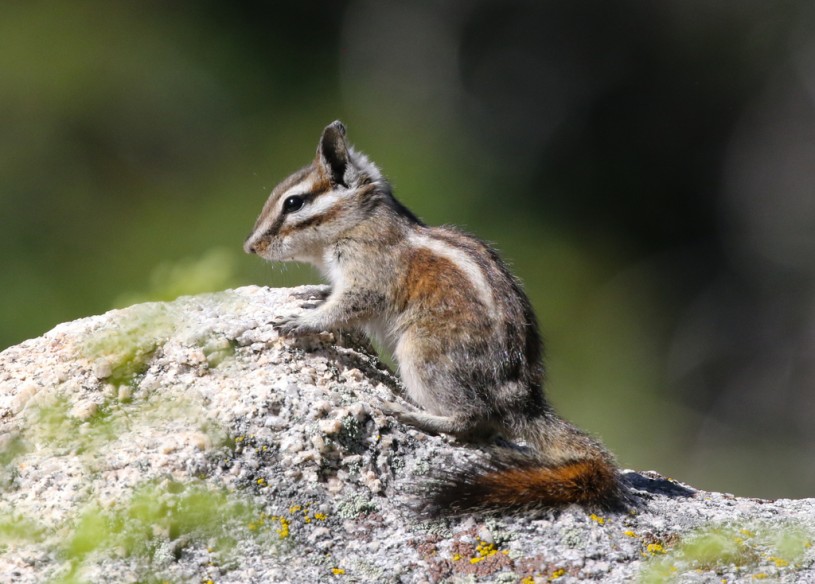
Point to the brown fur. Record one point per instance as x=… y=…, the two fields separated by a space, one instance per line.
x=434 y=283
x=582 y=482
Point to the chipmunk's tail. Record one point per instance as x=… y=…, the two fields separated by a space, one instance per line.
x=515 y=479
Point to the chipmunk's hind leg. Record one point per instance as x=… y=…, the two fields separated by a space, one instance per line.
x=464 y=428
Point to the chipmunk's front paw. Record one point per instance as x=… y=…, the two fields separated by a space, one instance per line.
x=292 y=325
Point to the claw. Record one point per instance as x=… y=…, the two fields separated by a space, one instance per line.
x=290 y=325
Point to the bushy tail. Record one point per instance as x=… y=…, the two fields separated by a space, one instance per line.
x=582 y=473
x=512 y=480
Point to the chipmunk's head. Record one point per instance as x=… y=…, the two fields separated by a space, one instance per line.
x=314 y=206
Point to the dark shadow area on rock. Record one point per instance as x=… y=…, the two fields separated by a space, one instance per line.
x=655 y=484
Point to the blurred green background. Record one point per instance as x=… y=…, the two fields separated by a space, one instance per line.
x=647 y=167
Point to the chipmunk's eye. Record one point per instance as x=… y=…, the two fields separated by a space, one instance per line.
x=293 y=203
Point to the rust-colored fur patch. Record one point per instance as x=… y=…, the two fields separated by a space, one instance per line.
x=322 y=182
x=585 y=482
x=435 y=282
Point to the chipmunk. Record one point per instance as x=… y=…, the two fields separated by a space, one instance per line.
x=457 y=322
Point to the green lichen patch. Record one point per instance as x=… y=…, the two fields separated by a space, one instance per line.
x=728 y=551
x=12 y=445
x=218 y=350
x=16 y=529
x=122 y=350
x=350 y=434
x=157 y=524
x=53 y=424
x=353 y=507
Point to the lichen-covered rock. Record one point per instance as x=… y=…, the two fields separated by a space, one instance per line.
x=189 y=442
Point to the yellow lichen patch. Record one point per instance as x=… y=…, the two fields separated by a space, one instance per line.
x=306 y=512
x=629 y=533
x=337 y=571
x=779 y=562
x=456 y=557
x=597 y=519
x=283 y=532
x=283 y=523
x=261 y=482
x=528 y=580
x=655 y=548
x=558 y=573
x=484 y=550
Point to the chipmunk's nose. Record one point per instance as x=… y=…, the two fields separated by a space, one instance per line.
x=249 y=245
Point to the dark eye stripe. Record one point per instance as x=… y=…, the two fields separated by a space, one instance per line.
x=313 y=221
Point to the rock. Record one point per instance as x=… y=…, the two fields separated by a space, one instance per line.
x=188 y=442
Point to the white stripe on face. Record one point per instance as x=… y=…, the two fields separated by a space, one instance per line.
x=321 y=204
x=272 y=209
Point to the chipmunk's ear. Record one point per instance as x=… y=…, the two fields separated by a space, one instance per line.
x=332 y=152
